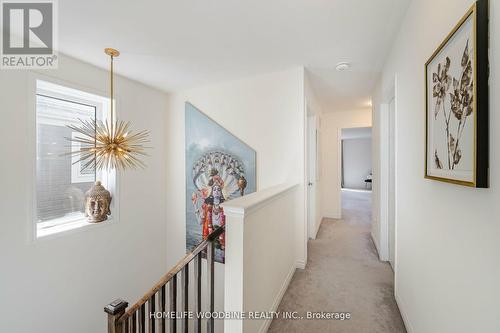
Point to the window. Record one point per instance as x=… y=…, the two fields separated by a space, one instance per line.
x=60 y=181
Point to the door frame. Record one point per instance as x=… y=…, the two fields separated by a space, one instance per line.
x=388 y=96
x=312 y=137
x=340 y=165
x=391 y=181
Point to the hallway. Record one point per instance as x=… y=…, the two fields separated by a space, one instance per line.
x=343 y=274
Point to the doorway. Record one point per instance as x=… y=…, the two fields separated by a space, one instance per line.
x=356 y=158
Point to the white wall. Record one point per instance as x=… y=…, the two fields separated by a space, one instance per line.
x=331 y=125
x=267 y=113
x=260 y=253
x=62 y=284
x=357 y=162
x=447 y=236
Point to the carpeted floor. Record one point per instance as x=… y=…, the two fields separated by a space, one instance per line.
x=343 y=274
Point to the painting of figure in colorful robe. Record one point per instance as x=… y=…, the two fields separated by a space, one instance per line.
x=219 y=167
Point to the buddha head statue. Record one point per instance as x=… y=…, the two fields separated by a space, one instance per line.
x=97 y=202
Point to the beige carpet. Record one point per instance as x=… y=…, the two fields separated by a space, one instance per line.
x=343 y=274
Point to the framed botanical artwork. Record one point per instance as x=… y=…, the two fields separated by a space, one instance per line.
x=456 y=86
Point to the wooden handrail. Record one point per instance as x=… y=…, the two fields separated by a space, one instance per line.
x=176 y=269
x=117 y=310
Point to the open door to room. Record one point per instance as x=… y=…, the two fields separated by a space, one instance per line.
x=356 y=158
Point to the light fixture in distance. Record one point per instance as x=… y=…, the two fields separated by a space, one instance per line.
x=342 y=66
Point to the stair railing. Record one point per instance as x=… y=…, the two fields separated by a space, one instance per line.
x=135 y=320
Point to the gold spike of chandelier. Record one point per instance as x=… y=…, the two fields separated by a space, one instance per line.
x=107 y=145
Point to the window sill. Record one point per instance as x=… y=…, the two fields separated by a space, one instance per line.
x=54 y=230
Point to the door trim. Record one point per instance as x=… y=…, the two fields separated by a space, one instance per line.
x=384 y=250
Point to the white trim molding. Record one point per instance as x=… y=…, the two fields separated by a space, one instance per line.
x=278 y=299
x=301 y=264
x=244 y=206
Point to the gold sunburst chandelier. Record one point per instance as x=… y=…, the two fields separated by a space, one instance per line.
x=107 y=145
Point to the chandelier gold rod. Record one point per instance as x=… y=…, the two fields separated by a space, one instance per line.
x=112 y=93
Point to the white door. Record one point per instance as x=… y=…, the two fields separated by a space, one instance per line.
x=392 y=183
x=311 y=175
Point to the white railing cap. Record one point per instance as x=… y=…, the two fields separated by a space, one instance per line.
x=245 y=205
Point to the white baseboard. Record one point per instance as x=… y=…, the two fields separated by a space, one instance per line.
x=404 y=315
x=300 y=264
x=377 y=249
x=277 y=300
x=318 y=225
x=333 y=216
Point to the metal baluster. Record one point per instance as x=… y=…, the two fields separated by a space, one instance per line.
x=142 y=319
x=161 y=305
x=184 y=298
x=133 y=323
x=197 y=292
x=210 y=285
x=125 y=326
x=151 y=313
x=173 y=304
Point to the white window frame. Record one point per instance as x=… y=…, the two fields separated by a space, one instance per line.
x=39 y=84
x=76 y=165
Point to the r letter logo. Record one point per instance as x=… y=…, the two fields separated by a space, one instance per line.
x=28 y=34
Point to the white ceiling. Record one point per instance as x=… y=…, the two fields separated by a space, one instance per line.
x=356 y=133
x=186 y=43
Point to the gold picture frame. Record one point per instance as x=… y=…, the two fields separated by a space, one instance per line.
x=456 y=88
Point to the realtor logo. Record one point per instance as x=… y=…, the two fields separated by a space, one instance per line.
x=28 y=34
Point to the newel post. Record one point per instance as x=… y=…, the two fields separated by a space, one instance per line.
x=115 y=310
